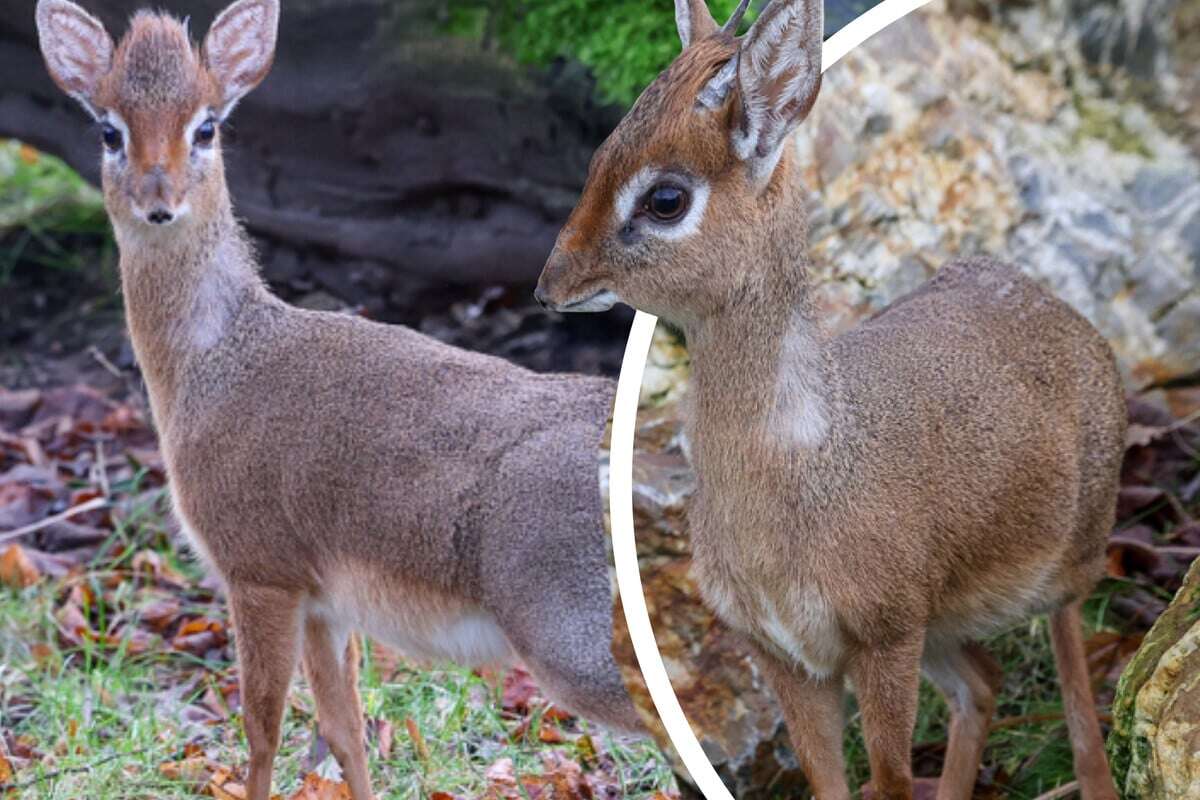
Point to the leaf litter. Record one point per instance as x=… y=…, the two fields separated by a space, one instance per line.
x=83 y=518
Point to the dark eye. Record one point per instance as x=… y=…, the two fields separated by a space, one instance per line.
x=666 y=203
x=205 y=132
x=111 y=137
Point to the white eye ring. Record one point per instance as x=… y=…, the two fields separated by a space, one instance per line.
x=631 y=196
x=199 y=119
x=110 y=119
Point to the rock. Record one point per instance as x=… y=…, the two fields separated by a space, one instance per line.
x=718 y=685
x=1155 y=743
x=1086 y=188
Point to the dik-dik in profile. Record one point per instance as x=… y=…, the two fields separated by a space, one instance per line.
x=339 y=474
x=868 y=504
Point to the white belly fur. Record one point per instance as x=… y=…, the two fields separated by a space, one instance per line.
x=410 y=620
x=803 y=629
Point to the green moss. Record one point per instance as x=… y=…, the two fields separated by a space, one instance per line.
x=1124 y=748
x=625 y=43
x=1097 y=122
x=42 y=202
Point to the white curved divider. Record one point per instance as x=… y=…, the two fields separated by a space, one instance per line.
x=629 y=579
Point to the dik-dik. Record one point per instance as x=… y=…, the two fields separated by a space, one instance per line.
x=868 y=504
x=338 y=474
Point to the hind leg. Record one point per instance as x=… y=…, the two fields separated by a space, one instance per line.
x=1087 y=743
x=969 y=678
x=331 y=665
x=266 y=621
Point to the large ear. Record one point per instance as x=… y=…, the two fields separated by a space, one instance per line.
x=77 y=49
x=778 y=76
x=240 y=47
x=693 y=20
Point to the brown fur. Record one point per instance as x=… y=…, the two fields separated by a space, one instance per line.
x=868 y=504
x=338 y=473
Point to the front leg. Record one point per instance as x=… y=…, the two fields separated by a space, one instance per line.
x=886 y=681
x=813 y=710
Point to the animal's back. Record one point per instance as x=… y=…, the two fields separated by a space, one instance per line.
x=992 y=413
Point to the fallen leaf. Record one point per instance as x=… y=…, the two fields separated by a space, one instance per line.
x=317 y=788
x=519 y=691
x=502 y=781
x=194 y=770
x=418 y=741
x=17 y=570
x=385 y=734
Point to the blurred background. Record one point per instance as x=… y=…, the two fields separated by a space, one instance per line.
x=412 y=161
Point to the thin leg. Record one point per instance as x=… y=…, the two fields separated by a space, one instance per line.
x=815 y=720
x=969 y=678
x=1091 y=764
x=886 y=680
x=266 y=623
x=331 y=665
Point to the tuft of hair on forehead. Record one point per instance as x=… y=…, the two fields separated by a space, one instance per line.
x=156 y=63
x=671 y=99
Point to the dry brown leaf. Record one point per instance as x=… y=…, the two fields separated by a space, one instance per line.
x=386 y=734
x=317 y=788
x=502 y=781
x=193 y=769
x=418 y=741
x=17 y=569
x=549 y=733
x=160 y=613
x=519 y=691
x=223 y=787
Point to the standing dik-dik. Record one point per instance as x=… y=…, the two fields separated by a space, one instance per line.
x=869 y=504
x=339 y=475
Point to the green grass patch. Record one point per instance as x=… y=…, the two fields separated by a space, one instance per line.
x=42 y=202
x=625 y=43
x=101 y=718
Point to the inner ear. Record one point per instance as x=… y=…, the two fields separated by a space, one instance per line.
x=240 y=48
x=77 y=49
x=714 y=93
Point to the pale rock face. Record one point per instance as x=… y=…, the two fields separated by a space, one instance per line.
x=927 y=143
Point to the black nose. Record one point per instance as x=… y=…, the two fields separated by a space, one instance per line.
x=160 y=216
x=540 y=296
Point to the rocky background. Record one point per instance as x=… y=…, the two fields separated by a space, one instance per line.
x=1063 y=136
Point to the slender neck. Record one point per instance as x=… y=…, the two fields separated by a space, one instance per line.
x=183 y=286
x=761 y=371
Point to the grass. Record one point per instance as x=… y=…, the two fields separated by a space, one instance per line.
x=104 y=717
x=1028 y=752
x=44 y=204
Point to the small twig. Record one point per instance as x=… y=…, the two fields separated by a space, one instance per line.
x=1025 y=719
x=8 y=787
x=90 y=505
x=1181 y=551
x=103 y=361
x=101 y=470
x=1066 y=790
